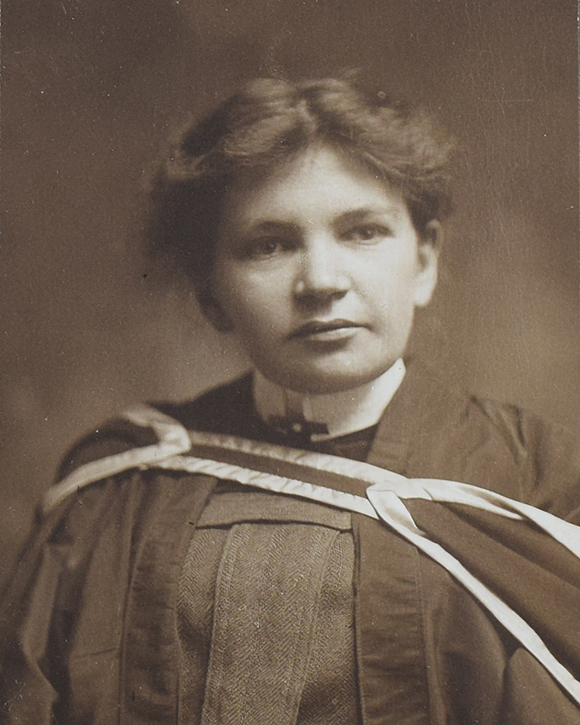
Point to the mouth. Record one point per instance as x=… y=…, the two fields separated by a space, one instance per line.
x=325 y=329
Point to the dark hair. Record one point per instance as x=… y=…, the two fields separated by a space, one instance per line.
x=267 y=121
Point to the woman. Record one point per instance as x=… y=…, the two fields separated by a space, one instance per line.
x=194 y=565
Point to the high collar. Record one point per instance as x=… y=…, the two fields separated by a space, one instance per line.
x=342 y=413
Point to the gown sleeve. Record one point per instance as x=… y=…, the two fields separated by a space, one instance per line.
x=37 y=606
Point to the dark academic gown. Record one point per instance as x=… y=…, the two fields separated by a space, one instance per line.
x=88 y=622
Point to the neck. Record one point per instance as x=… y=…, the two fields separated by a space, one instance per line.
x=341 y=413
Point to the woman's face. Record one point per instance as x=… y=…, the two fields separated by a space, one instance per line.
x=318 y=270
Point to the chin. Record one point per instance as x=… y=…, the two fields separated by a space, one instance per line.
x=323 y=382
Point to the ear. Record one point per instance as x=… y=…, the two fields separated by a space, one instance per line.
x=213 y=312
x=428 y=262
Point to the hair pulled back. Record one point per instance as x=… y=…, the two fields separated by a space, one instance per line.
x=269 y=120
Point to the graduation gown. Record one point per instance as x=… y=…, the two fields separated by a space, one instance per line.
x=89 y=619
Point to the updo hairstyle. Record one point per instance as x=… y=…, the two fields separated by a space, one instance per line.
x=266 y=122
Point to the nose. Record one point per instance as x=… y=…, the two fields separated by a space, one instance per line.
x=321 y=272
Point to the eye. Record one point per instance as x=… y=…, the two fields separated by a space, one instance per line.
x=265 y=247
x=366 y=233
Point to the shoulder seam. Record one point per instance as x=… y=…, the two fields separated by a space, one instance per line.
x=497 y=413
x=173 y=440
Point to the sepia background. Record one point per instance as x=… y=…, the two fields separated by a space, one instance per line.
x=91 y=90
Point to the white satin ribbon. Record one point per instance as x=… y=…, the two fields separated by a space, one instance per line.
x=384 y=500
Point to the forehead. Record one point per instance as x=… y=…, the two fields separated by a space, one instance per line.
x=318 y=182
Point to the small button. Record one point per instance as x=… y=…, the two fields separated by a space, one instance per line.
x=297 y=427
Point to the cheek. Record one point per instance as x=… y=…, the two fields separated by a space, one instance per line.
x=249 y=303
x=391 y=286
x=229 y=284
x=226 y=293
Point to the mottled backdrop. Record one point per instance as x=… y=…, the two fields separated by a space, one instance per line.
x=92 y=88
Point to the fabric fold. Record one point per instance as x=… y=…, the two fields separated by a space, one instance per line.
x=379 y=494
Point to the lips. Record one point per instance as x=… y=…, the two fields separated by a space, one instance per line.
x=320 y=327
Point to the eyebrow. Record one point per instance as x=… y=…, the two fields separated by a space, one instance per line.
x=269 y=225
x=357 y=215
x=352 y=216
